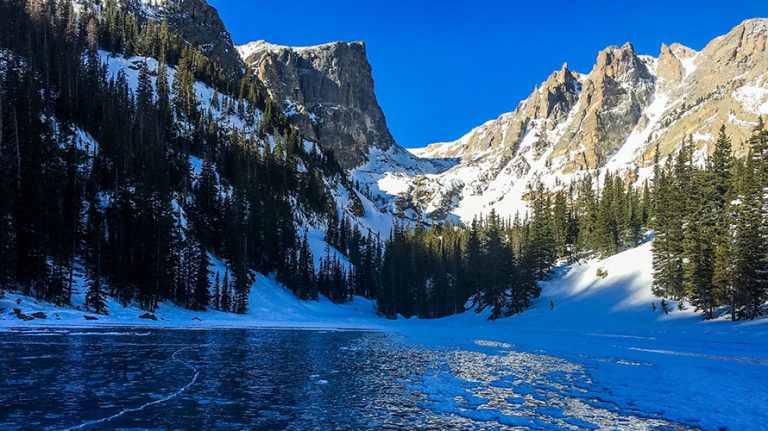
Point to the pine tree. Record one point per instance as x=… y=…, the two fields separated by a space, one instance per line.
x=698 y=264
x=720 y=165
x=669 y=219
x=750 y=271
x=226 y=296
x=305 y=271
x=184 y=97
x=540 y=248
x=473 y=277
x=95 y=298
x=338 y=282
x=722 y=271
x=497 y=262
x=163 y=94
x=605 y=239
x=216 y=294
x=201 y=296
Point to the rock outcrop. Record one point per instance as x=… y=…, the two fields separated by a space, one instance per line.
x=328 y=92
x=611 y=104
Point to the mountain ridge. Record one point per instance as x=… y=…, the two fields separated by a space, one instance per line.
x=608 y=119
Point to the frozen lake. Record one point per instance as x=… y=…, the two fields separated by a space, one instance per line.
x=291 y=379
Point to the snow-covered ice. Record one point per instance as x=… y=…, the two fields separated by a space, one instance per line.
x=628 y=358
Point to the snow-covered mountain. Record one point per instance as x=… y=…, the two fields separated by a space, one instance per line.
x=327 y=91
x=611 y=118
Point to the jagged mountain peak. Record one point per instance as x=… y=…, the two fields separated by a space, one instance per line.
x=564 y=76
x=743 y=42
x=754 y=26
x=681 y=51
x=675 y=62
x=616 y=62
x=609 y=119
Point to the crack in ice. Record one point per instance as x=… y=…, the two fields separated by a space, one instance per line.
x=152 y=403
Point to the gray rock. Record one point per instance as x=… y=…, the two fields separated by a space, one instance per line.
x=328 y=92
x=21 y=316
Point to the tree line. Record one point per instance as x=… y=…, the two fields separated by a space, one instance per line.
x=711 y=224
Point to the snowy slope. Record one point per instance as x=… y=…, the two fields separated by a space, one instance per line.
x=271 y=305
x=584 y=302
x=374 y=219
x=130 y=68
x=705 y=375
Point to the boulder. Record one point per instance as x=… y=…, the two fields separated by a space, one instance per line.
x=149 y=316
x=87 y=317
x=21 y=316
x=39 y=315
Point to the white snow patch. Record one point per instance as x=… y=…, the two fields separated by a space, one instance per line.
x=196 y=164
x=752 y=98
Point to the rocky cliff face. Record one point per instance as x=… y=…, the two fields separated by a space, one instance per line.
x=327 y=91
x=611 y=103
x=609 y=119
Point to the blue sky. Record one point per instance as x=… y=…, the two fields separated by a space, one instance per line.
x=444 y=67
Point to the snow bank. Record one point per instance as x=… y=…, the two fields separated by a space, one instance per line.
x=270 y=305
x=584 y=302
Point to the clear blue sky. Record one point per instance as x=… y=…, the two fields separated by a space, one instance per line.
x=444 y=67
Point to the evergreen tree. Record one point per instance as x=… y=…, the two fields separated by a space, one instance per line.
x=750 y=275
x=201 y=296
x=698 y=252
x=184 y=97
x=540 y=247
x=216 y=294
x=305 y=272
x=95 y=299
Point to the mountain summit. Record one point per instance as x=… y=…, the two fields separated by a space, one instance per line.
x=612 y=118
x=327 y=91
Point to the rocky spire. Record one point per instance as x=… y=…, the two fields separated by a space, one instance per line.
x=669 y=69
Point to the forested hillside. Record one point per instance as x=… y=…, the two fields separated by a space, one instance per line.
x=712 y=229
x=131 y=158
x=133 y=180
